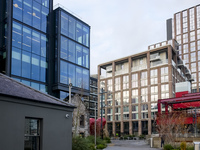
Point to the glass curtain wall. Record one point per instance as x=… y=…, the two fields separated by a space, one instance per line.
x=29 y=42
x=74 y=51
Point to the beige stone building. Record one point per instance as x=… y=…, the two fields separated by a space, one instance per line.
x=185 y=28
x=135 y=83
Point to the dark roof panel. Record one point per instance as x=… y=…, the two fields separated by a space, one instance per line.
x=11 y=87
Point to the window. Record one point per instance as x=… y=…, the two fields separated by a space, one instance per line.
x=164 y=74
x=143 y=78
x=125 y=97
x=134 y=108
x=154 y=89
x=193 y=67
x=117 y=98
x=134 y=80
x=178 y=24
x=185 y=48
x=109 y=85
x=117 y=84
x=144 y=95
x=192 y=36
x=191 y=13
x=125 y=82
x=186 y=58
x=16 y=61
x=82 y=121
x=154 y=76
x=134 y=96
x=193 y=56
x=185 y=22
x=192 y=46
x=185 y=38
x=32 y=133
x=126 y=109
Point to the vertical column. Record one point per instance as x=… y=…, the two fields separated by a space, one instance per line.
x=139 y=127
x=170 y=71
x=130 y=127
x=114 y=128
x=149 y=92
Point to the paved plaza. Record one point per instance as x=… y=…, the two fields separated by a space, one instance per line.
x=129 y=145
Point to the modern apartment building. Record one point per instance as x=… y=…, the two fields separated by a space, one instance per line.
x=185 y=28
x=93 y=99
x=133 y=85
x=43 y=48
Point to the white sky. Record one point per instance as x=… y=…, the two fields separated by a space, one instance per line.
x=124 y=27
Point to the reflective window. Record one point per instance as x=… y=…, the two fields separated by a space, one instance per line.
x=17 y=9
x=78 y=54
x=27 y=14
x=71 y=28
x=16 y=61
x=35 y=67
x=43 y=67
x=44 y=14
x=85 y=79
x=86 y=57
x=45 y=3
x=17 y=35
x=26 y=45
x=64 y=23
x=79 y=77
x=28 y=83
x=71 y=51
x=26 y=64
x=64 y=48
x=86 y=35
x=35 y=42
x=71 y=73
x=36 y=15
x=43 y=45
x=63 y=72
x=79 y=32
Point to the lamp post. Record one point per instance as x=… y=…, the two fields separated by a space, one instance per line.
x=102 y=92
x=95 y=141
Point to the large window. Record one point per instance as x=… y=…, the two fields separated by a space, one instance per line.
x=74 y=52
x=32 y=133
x=74 y=29
x=33 y=13
x=79 y=76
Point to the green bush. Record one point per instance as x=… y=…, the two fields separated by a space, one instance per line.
x=183 y=146
x=168 y=147
x=107 y=139
x=190 y=148
x=79 y=143
x=141 y=136
x=101 y=146
x=125 y=137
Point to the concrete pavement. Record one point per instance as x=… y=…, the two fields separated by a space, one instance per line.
x=129 y=145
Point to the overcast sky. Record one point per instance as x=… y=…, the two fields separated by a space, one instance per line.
x=124 y=27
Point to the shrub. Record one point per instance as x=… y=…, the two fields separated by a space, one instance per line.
x=183 y=146
x=100 y=146
x=190 y=148
x=168 y=147
x=79 y=143
x=121 y=138
x=107 y=139
x=125 y=137
x=141 y=136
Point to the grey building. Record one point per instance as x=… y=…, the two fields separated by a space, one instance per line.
x=31 y=119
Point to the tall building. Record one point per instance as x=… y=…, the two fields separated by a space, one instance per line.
x=185 y=28
x=93 y=100
x=133 y=85
x=43 y=48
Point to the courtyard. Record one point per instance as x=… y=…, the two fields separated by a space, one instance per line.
x=129 y=145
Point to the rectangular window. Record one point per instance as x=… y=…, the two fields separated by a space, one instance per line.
x=32 y=133
x=82 y=121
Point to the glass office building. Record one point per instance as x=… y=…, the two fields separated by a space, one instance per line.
x=72 y=54
x=43 y=48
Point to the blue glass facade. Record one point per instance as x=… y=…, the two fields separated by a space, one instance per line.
x=29 y=42
x=38 y=55
x=72 y=51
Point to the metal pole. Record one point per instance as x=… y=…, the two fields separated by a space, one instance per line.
x=195 y=115
x=101 y=113
x=70 y=98
x=95 y=141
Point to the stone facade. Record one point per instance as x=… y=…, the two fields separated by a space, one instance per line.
x=80 y=117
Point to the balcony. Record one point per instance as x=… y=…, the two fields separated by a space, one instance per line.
x=173 y=64
x=137 y=68
x=109 y=69
x=181 y=63
x=119 y=72
x=159 y=63
x=154 y=57
x=108 y=75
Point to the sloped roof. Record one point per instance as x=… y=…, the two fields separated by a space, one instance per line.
x=11 y=87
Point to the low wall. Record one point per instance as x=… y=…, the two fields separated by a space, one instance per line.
x=190 y=140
